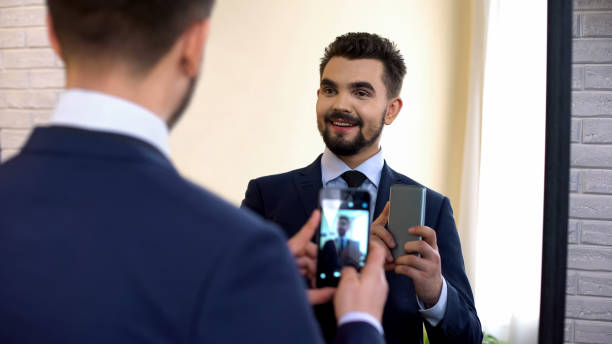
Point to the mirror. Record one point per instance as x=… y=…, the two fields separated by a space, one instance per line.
x=472 y=126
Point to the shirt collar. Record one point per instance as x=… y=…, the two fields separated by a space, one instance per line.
x=97 y=111
x=332 y=167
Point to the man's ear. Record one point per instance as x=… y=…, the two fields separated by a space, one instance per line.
x=53 y=37
x=195 y=38
x=393 y=110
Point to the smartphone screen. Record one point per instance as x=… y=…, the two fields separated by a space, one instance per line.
x=344 y=233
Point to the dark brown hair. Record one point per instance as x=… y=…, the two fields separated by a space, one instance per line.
x=137 y=31
x=362 y=45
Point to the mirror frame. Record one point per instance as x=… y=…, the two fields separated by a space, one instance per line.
x=556 y=172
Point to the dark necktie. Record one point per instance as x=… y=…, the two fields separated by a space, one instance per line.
x=353 y=179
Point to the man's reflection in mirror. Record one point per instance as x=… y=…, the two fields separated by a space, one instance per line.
x=361 y=76
x=347 y=248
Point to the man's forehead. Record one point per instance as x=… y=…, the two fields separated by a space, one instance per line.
x=342 y=70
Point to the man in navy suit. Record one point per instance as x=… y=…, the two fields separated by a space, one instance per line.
x=348 y=249
x=340 y=251
x=360 y=80
x=102 y=241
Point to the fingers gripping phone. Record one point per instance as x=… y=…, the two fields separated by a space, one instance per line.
x=344 y=233
x=407 y=210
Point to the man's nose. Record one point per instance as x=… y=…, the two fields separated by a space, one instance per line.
x=342 y=103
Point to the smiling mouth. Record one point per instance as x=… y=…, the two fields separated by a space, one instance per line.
x=343 y=123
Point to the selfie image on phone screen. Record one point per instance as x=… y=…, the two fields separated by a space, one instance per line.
x=344 y=233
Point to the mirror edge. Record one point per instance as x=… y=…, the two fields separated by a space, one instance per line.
x=556 y=175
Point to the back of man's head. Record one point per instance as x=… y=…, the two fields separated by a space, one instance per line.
x=136 y=32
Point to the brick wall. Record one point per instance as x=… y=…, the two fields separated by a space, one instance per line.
x=589 y=276
x=31 y=76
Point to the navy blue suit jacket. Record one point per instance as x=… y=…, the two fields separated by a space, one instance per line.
x=289 y=198
x=102 y=241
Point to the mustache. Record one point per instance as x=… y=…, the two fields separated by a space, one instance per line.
x=347 y=117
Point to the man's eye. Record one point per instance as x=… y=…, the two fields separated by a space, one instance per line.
x=362 y=93
x=329 y=91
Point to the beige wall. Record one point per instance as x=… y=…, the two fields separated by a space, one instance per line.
x=254 y=112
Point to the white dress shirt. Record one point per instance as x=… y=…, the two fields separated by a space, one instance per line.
x=97 y=111
x=332 y=169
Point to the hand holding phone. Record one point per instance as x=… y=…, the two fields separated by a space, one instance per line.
x=407 y=211
x=365 y=292
x=425 y=270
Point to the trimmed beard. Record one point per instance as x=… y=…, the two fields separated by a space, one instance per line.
x=339 y=145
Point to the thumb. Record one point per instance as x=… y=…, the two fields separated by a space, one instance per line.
x=375 y=261
x=303 y=237
x=348 y=275
x=383 y=218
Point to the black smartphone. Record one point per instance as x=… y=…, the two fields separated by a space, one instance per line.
x=407 y=210
x=344 y=233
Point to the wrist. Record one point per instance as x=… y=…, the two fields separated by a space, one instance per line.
x=432 y=299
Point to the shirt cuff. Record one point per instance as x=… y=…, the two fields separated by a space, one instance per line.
x=361 y=316
x=435 y=314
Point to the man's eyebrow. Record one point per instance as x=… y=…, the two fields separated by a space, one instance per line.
x=327 y=82
x=362 y=84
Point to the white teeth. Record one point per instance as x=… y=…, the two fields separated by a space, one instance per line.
x=342 y=124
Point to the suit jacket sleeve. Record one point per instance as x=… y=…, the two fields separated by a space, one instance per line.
x=253 y=199
x=358 y=333
x=460 y=323
x=255 y=295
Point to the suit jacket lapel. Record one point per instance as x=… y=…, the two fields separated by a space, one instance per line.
x=308 y=181
x=387 y=178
